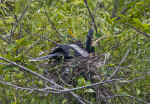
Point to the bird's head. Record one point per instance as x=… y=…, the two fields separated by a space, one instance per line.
x=89 y=47
x=90 y=33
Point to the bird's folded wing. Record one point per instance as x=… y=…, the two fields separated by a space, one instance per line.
x=47 y=57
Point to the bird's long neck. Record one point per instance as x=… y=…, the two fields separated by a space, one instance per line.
x=88 y=44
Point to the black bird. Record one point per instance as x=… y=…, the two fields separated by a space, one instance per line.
x=69 y=51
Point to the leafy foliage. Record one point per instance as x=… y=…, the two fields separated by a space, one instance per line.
x=21 y=32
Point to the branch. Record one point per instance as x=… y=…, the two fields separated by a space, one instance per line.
x=116 y=3
x=136 y=28
x=52 y=24
x=95 y=84
x=125 y=96
x=18 y=22
x=85 y=1
x=30 y=89
x=122 y=12
x=3 y=39
x=121 y=62
x=122 y=41
x=40 y=36
x=38 y=75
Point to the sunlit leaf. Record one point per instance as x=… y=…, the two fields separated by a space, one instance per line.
x=138 y=92
x=139 y=3
x=89 y=90
x=81 y=81
x=10 y=46
x=40 y=82
x=64 y=101
x=121 y=15
x=16 y=68
x=123 y=93
x=71 y=32
x=137 y=21
x=114 y=18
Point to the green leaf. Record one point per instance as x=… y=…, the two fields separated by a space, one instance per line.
x=6 y=68
x=139 y=3
x=101 y=69
x=147 y=30
x=10 y=46
x=60 y=14
x=107 y=55
x=32 y=101
x=77 y=2
x=32 y=67
x=114 y=19
x=16 y=68
x=123 y=93
x=65 y=37
x=118 y=88
x=2 y=23
x=64 y=101
x=81 y=81
x=138 y=92
x=9 y=19
x=98 y=35
x=24 y=42
x=40 y=82
x=121 y=15
x=146 y=26
x=137 y=21
x=115 y=53
x=89 y=90
x=109 y=20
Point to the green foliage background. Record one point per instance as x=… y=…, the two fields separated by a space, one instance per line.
x=19 y=42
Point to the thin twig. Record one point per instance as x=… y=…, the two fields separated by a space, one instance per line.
x=30 y=89
x=116 y=4
x=4 y=63
x=126 y=96
x=121 y=62
x=123 y=41
x=85 y=1
x=40 y=76
x=136 y=28
x=122 y=12
x=18 y=22
x=41 y=36
x=52 y=23
x=33 y=44
x=3 y=39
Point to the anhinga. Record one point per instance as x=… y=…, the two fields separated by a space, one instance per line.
x=69 y=51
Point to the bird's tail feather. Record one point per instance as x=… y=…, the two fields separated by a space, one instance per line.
x=46 y=57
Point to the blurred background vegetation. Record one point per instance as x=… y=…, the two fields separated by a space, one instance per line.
x=24 y=26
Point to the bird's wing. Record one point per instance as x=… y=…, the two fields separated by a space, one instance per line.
x=47 y=57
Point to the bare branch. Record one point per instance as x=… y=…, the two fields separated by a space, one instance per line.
x=136 y=28
x=38 y=75
x=121 y=62
x=85 y=1
x=41 y=36
x=4 y=63
x=30 y=89
x=126 y=96
x=18 y=22
x=3 y=39
x=122 y=12
x=123 y=41
x=116 y=3
x=52 y=24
